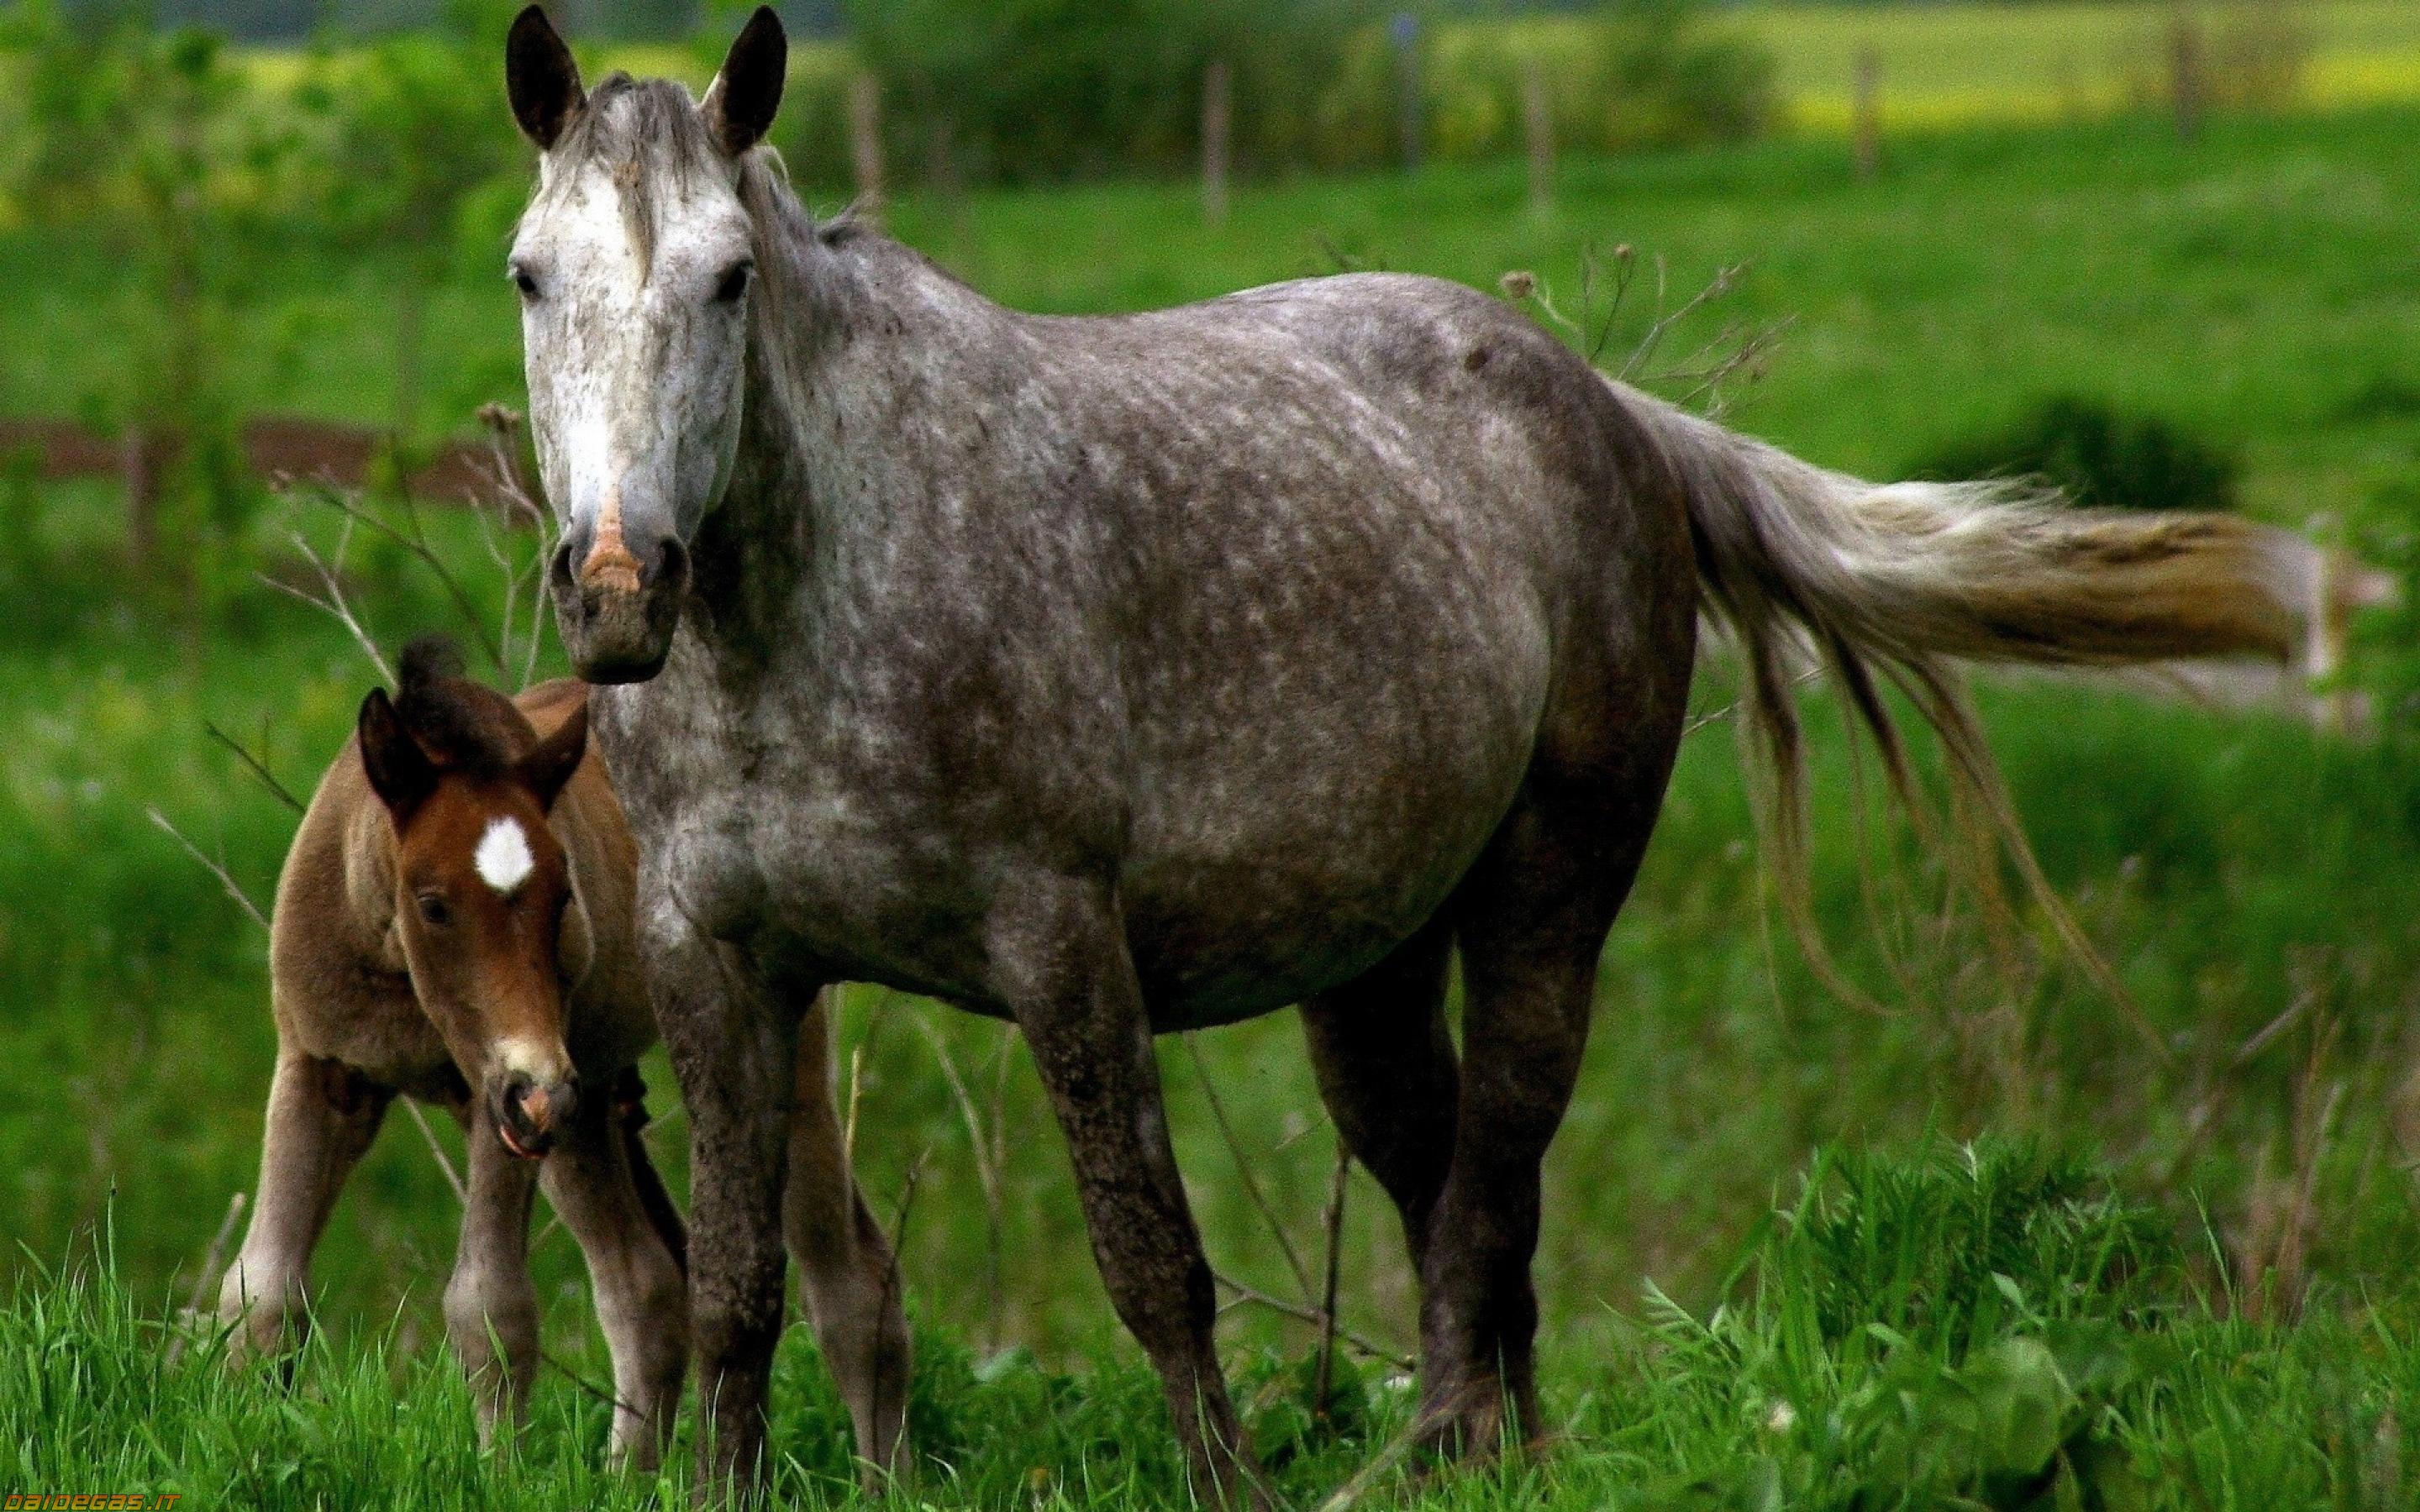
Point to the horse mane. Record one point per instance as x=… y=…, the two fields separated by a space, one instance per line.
x=464 y=725
x=640 y=131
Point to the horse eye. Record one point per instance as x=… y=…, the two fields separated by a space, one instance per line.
x=433 y=911
x=526 y=284
x=735 y=282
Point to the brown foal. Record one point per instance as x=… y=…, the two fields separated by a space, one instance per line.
x=455 y=923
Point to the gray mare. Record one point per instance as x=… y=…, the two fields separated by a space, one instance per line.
x=1125 y=675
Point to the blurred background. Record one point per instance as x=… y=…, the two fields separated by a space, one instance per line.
x=2164 y=253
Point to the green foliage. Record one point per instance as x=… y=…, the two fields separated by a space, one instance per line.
x=2097 y=455
x=1945 y=1250
x=2077 y=1368
x=413 y=126
x=151 y=137
x=1639 y=76
x=1043 y=90
x=414 y=144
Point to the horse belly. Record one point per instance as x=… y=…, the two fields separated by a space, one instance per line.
x=1318 y=844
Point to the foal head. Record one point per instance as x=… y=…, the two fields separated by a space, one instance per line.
x=634 y=262
x=491 y=930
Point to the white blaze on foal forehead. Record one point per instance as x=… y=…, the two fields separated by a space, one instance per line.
x=504 y=857
x=532 y=1058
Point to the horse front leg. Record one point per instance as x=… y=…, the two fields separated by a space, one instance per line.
x=847 y=1272
x=491 y=1307
x=322 y=1116
x=1065 y=975
x=594 y=1181
x=732 y=1047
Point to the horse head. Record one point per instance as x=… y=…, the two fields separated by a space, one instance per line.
x=635 y=262
x=484 y=907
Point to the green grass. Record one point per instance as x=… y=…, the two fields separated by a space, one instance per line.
x=1988 y=1326
x=2235 y=869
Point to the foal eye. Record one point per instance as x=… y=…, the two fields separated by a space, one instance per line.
x=433 y=910
x=735 y=282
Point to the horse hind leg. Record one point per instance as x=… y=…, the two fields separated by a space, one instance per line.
x=1385 y=1061
x=846 y=1269
x=1532 y=921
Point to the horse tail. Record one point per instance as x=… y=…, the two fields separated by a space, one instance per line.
x=1893 y=583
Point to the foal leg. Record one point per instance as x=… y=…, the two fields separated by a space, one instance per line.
x=734 y=1048
x=322 y=1116
x=1066 y=976
x=846 y=1265
x=642 y=1303
x=663 y=1214
x=1532 y=921
x=491 y=1307
x=1386 y=1069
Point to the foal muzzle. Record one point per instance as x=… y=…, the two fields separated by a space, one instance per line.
x=531 y=1114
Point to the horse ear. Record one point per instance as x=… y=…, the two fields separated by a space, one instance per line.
x=540 y=78
x=401 y=772
x=547 y=768
x=740 y=102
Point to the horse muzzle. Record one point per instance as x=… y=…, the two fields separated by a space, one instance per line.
x=616 y=603
x=531 y=1114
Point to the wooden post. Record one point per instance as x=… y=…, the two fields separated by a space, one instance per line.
x=941 y=157
x=138 y=466
x=865 y=137
x=2186 y=81
x=2325 y=645
x=1869 y=112
x=1538 y=127
x=1217 y=91
x=1404 y=32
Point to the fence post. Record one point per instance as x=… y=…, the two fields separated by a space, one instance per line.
x=1869 y=112
x=2185 y=79
x=137 y=460
x=1404 y=32
x=1218 y=102
x=1537 y=126
x=865 y=137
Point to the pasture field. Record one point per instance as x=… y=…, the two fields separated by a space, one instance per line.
x=1940 y=65
x=2201 y=1205
x=1961 y=64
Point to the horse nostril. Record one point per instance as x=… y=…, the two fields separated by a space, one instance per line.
x=559 y=570
x=670 y=568
x=535 y=1108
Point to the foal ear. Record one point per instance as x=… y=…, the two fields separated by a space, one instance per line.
x=739 y=105
x=574 y=943
x=547 y=768
x=401 y=772
x=540 y=78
